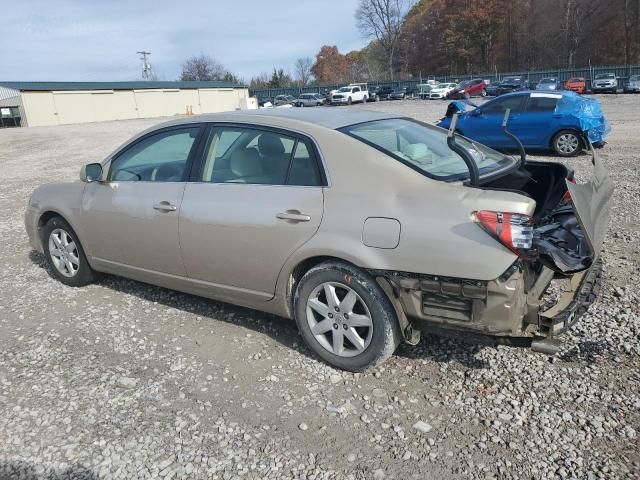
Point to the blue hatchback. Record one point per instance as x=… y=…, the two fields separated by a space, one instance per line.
x=560 y=121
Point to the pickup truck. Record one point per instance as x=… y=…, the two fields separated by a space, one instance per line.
x=356 y=92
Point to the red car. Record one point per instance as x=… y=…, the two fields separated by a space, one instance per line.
x=471 y=88
x=576 y=84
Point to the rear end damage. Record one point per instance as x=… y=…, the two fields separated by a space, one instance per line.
x=561 y=241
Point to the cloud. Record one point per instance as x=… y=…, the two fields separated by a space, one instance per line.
x=93 y=40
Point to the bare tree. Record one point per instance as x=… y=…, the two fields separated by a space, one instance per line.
x=382 y=20
x=202 y=67
x=302 y=69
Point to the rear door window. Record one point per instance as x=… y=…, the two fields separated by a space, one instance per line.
x=542 y=104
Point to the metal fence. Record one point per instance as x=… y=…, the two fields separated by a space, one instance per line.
x=623 y=72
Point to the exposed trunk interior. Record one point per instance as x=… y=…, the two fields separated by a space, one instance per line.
x=558 y=237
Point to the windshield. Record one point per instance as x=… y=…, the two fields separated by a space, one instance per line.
x=345 y=89
x=462 y=84
x=548 y=80
x=424 y=148
x=575 y=80
x=511 y=79
x=634 y=78
x=602 y=76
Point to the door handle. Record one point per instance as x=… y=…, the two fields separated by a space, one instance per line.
x=293 y=216
x=165 y=206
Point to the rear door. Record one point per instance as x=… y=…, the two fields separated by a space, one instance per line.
x=539 y=119
x=255 y=197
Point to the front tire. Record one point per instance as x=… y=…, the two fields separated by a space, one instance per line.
x=65 y=254
x=349 y=101
x=345 y=317
x=567 y=143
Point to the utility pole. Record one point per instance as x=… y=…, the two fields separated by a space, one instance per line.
x=146 y=66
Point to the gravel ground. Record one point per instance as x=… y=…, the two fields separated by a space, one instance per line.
x=125 y=380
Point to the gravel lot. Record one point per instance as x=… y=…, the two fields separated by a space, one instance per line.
x=124 y=380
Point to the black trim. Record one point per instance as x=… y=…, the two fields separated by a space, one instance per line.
x=190 y=157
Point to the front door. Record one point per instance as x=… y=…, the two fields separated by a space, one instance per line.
x=131 y=219
x=256 y=198
x=541 y=115
x=487 y=126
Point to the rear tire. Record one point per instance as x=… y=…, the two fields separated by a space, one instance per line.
x=65 y=254
x=567 y=143
x=345 y=317
x=483 y=93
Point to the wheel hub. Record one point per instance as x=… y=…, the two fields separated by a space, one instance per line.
x=339 y=319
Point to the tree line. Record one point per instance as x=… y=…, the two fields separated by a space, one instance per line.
x=409 y=39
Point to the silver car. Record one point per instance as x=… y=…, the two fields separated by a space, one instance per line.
x=310 y=100
x=364 y=227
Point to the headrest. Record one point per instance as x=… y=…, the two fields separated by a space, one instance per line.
x=417 y=151
x=270 y=144
x=245 y=163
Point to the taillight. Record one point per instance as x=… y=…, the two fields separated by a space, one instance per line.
x=566 y=198
x=513 y=230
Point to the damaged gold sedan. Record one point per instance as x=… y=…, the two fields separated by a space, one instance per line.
x=364 y=227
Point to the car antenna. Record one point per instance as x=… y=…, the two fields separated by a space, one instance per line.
x=474 y=175
x=505 y=121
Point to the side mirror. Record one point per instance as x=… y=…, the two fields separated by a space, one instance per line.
x=91 y=172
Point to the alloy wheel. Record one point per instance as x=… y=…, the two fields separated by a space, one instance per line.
x=64 y=252
x=339 y=319
x=567 y=143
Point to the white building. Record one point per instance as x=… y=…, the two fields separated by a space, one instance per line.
x=58 y=103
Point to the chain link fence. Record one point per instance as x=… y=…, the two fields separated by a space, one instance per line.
x=623 y=72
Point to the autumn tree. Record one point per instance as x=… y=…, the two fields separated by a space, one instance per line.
x=330 y=65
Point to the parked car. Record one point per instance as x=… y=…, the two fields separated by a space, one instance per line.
x=576 y=84
x=310 y=100
x=550 y=83
x=424 y=89
x=381 y=92
x=512 y=84
x=633 y=84
x=256 y=208
x=471 y=88
x=605 y=82
x=281 y=100
x=440 y=91
x=350 y=94
x=557 y=121
x=402 y=93
x=492 y=89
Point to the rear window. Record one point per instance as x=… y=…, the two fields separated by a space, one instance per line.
x=542 y=104
x=424 y=148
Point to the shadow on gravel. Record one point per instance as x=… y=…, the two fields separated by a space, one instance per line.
x=26 y=471
x=435 y=347
x=588 y=351
x=462 y=349
x=280 y=329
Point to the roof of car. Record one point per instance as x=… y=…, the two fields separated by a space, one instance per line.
x=332 y=118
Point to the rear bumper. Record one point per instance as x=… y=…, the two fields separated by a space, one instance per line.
x=501 y=307
x=584 y=288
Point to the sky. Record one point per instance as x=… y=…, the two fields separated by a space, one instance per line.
x=97 y=40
